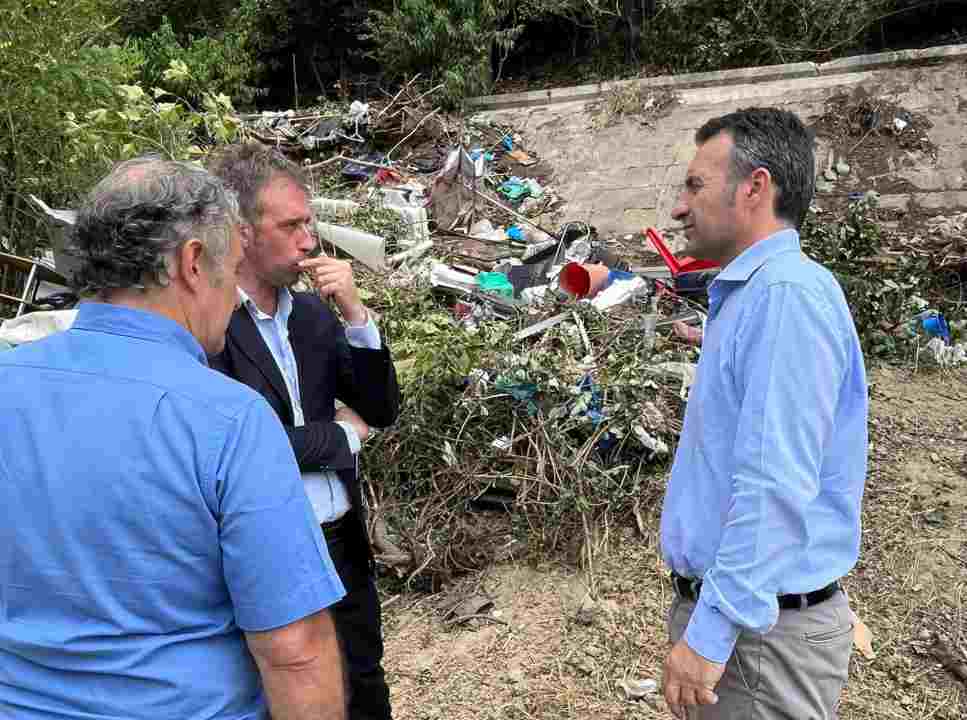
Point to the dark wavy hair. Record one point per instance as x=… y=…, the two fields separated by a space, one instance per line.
x=775 y=140
x=246 y=168
x=136 y=218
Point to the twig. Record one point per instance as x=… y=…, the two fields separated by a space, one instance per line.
x=480 y=616
x=946 y=657
x=513 y=213
x=347 y=159
x=395 y=97
x=853 y=149
x=428 y=92
x=412 y=132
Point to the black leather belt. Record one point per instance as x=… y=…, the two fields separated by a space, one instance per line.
x=689 y=589
x=336 y=526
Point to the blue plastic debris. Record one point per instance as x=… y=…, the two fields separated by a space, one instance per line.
x=508 y=142
x=595 y=414
x=515 y=233
x=933 y=323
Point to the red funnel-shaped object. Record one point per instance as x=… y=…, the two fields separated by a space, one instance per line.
x=686 y=264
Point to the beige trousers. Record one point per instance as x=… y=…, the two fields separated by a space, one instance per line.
x=796 y=671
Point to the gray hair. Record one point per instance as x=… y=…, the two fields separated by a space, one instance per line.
x=775 y=140
x=135 y=219
x=247 y=168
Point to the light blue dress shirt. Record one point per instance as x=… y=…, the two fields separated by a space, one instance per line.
x=327 y=494
x=154 y=511
x=765 y=491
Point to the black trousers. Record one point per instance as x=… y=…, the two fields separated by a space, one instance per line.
x=359 y=623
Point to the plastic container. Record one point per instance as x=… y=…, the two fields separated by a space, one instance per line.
x=367 y=248
x=583 y=280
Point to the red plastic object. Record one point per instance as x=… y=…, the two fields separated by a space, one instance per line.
x=677 y=267
x=583 y=280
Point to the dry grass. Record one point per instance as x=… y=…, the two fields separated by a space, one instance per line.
x=540 y=659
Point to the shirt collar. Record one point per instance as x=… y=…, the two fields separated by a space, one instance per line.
x=282 y=311
x=142 y=324
x=755 y=256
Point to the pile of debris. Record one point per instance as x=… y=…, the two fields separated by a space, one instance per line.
x=540 y=373
x=867 y=135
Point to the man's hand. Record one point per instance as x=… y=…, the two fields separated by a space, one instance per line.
x=691 y=335
x=334 y=278
x=689 y=679
x=348 y=415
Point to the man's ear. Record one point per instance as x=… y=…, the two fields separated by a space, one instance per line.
x=190 y=263
x=758 y=187
x=246 y=233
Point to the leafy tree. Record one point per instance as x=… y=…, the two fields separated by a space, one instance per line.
x=51 y=63
x=70 y=105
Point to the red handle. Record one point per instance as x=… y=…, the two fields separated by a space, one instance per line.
x=685 y=265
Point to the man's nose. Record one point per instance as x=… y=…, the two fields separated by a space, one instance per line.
x=307 y=237
x=680 y=210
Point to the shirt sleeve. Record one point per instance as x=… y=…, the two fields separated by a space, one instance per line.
x=364 y=336
x=275 y=562
x=351 y=436
x=789 y=360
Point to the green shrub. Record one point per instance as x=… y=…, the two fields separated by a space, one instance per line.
x=221 y=64
x=55 y=58
x=70 y=106
x=699 y=35
x=449 y=41
x=882 y=302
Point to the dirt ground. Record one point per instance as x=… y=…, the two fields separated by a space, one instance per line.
x=558 y=642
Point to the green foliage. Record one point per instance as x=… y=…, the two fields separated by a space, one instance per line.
x=482 y=411
x=71 y=106
x=448 y=40
x=136 y=122
x=222 y=64
x=882 y=302
x=699 y=35
x=55 y=58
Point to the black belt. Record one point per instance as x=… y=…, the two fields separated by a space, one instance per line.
x=690 y=589
x=335 y=527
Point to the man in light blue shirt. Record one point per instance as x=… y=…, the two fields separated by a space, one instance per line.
x=762 y=512
x=159 y=558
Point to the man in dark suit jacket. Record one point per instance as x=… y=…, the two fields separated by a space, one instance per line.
x=293 y=349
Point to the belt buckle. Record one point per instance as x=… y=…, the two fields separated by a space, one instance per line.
x=680 y=584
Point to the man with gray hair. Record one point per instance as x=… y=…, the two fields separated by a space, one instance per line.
x=762 y=512
x=161 y=560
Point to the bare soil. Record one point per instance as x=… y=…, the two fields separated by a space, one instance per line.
x=557 y=641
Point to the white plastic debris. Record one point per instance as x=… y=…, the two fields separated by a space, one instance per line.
x=618 y=292
x=442 y=275
x=502 y=443
x=638 y=689
x=359 y=112
x=657 y=447
x=367 y=248
x=414 y=253
x=579 y=251
x=534 y=295
x=899 y=124
x=945 y=355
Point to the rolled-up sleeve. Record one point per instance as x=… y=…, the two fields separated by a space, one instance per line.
x=275 y=562
x=787 y=351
